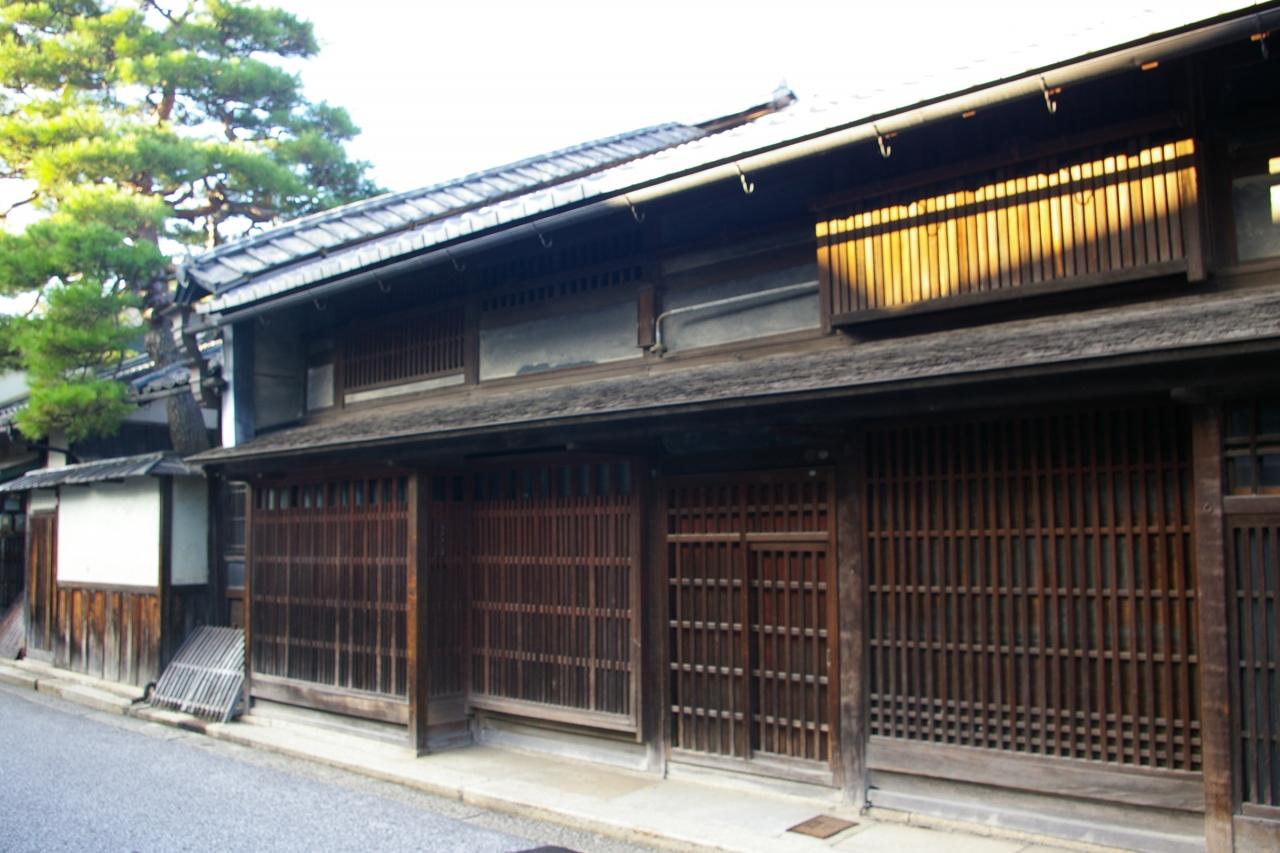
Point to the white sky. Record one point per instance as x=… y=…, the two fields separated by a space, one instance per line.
x=441 y=89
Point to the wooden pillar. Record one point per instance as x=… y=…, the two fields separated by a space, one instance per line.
x=1211 y=595
x=850 y=587
x=250 y=495
x=655 y=683
x=168 y=640
x=417 y=661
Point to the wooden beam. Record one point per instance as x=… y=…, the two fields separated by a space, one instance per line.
x=168 y=642
x=418 y=658
x=249 y=497
x=1211 y=594
x=1062 y=777
x=851 y=763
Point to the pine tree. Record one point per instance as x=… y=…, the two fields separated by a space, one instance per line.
x=140 y=129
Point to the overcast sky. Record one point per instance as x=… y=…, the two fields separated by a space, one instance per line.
x=441 y=89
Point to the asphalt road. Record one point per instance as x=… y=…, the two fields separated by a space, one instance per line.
x=75 y=779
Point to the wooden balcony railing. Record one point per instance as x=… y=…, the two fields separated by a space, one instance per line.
x=1089 y=222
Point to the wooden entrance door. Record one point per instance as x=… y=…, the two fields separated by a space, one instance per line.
x=752 y=619
x=42 y=597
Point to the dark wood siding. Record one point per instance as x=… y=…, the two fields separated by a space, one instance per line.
x=1100 y=218
x=13 y=564
x=751 y=606
x=1032 y=587
x=328 y=583
x=42 y=573
x=113 y=633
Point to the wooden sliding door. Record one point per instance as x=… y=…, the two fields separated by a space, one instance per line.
x=555 y=574
x=751 y=609
x=328 y=586
x=1032 y=593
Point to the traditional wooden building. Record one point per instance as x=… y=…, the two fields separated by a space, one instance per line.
x=928 y=453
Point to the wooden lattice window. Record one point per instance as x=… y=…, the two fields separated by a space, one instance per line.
x=1031 y=586
x=572 y=269
x=328 y=583
x=404 y=349
x=1101 y=219
x=554 y=592
x=751 y=609
x=1252 y=447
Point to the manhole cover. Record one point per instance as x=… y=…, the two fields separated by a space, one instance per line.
x=822 y=826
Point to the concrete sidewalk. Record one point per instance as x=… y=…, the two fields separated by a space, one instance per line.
x=706 y=813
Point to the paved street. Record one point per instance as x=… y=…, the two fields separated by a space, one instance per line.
x=75 y=779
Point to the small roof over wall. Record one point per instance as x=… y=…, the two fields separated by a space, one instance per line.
x=160 y=464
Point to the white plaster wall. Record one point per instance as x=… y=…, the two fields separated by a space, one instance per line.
x=42 y=500
x=109 y=533
x=190 y=555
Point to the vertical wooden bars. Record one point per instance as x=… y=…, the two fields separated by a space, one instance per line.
x=1091 y=218
x=1031 y=586
x=752 y=612
x=329 y=586
x=555 y=568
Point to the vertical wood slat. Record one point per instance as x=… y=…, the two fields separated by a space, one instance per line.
x=1093 y=218
x=328 y=585
x=1030 y=586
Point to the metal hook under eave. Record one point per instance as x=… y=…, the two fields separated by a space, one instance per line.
x=1261 y=38
x=636 y=214
x=885 y=148
x=748 y=187
x=1050 y=104
x=320 y=304
x=384 y=286
x=458 y=266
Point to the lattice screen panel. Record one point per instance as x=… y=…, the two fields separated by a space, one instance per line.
x=750 y=605
x=1031 y=586
x=1254 y=566
x=554 y=564
x=329 y=587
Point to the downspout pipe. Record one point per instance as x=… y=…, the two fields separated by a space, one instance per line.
x=659 y=346
x=1039 y=83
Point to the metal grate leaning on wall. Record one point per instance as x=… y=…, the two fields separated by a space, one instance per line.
x=1031 y=586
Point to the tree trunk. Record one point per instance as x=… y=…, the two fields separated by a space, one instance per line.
x=187 y=431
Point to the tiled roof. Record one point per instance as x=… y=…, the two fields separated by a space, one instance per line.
x=146 y=465
x=144 y=379
x=338 y=243
x=1063 y=343
x=460 y=201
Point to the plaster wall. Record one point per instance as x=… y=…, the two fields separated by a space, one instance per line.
x=189 y=558
x=109 y=533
